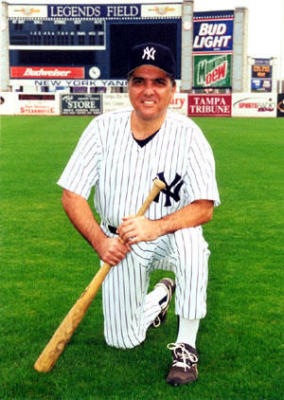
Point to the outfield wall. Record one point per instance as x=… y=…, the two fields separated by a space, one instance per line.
x=192 y=105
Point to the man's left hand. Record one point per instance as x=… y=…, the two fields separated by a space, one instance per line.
x=138 y=229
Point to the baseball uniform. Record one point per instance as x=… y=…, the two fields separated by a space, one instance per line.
x=108 y=158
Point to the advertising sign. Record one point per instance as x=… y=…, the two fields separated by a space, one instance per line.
x=212 y=71
x=280 y=105
x=37 y=104
x=261 y=75
x=213 y=32
x=115 y=101
x=209 y=105
x=254 y=105
x=179 y=103
x=261 y=85
x=81 y=104
x=47 y=72
x=118 y=101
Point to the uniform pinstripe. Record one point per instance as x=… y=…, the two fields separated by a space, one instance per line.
x=108 y=157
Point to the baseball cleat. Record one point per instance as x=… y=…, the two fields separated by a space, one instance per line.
x=170 y=287
x=184 y=365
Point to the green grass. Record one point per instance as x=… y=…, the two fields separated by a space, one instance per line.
x=45 y=265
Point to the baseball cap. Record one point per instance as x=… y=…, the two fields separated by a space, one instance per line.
x=152 y=54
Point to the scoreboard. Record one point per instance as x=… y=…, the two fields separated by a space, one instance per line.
x=47 y=34
x=89 y=42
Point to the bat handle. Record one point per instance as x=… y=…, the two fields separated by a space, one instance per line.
x=158 y=185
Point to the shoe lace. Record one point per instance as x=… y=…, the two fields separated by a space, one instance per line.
x=183 y=357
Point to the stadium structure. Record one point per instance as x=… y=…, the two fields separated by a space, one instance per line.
x=77 y=49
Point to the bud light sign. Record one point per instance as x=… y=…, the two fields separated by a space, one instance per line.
x=213 y=32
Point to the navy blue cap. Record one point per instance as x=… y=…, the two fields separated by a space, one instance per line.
x=152 y=54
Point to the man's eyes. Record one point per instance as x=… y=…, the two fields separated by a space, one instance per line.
x=138 y=81
x=161 y=82
x=157 y=82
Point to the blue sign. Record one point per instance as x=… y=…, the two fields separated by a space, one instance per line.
x=83 y=11
x=213 y=32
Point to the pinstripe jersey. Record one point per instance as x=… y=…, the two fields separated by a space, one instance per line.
x=108 y=157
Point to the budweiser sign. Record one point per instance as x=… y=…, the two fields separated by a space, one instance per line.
x=47 y=72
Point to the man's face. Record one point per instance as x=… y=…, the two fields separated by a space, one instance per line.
x=150 y=91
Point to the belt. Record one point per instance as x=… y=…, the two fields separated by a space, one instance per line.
x=112 y=229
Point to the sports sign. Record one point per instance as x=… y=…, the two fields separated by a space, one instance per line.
x=209 y=105
x=254 y=105
x=213 y=32
x=81 y=104
x=212 y=71
x=47 y=72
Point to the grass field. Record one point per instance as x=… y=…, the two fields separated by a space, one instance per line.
x=45 y=265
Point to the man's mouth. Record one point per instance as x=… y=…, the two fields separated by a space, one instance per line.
x=149 y=102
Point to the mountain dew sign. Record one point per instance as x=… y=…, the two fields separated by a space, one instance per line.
x=212 y=71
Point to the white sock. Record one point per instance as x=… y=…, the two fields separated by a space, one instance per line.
x=187 y=332
x=158 y=295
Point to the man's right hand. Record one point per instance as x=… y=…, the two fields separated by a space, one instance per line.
x=112 y=250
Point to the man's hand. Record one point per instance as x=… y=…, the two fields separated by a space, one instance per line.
x=112 y=250
x=138 y=229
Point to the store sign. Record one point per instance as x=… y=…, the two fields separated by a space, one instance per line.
x=212 y=71
x=47 y=72
x=209 y=105
x=213 y=32
x=81 y=104
x=254 y=105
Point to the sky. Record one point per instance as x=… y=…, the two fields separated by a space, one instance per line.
x=265 y=25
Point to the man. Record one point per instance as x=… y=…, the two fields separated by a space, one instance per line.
x=120 y=153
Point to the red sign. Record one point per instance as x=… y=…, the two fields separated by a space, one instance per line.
x=209 y=105
x=47 y=72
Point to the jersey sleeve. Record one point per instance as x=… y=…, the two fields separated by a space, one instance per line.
x=82 y=170
x=201 y=176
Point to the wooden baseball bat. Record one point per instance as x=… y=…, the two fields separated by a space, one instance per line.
x=64 y=332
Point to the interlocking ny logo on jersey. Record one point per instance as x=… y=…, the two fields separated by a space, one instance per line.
x=172 y=190
x=149 y=54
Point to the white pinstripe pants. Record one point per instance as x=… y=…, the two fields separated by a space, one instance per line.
x=129 y=311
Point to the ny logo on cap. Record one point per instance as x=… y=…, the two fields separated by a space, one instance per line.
x=149 y=54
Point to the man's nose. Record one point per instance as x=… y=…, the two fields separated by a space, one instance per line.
x=149 y=88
